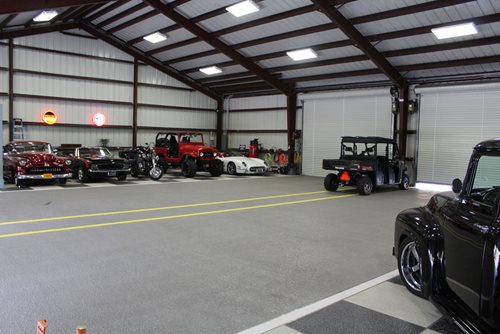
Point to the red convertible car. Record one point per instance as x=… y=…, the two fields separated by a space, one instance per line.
x=27 y=161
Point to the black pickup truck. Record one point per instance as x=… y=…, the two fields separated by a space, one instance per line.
x=366 y=162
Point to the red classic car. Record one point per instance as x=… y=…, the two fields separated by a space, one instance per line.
x=25 y=161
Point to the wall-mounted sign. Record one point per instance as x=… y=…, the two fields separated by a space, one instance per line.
x=49 y=117
x=99 y=119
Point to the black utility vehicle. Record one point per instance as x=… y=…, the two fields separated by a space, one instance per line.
x=449 y=250
x=366 y=162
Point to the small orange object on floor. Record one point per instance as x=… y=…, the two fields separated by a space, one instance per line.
x=41 y=326
x=81 y=330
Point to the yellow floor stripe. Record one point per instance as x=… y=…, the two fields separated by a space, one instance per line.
x=136 y=221
x=158 y=209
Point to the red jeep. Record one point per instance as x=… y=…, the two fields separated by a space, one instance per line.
x=187 y=150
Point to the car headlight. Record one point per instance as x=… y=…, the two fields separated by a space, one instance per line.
x=215 y=154
x=244 y=163
x=201 y=154
x=68 y=162
x=22 y=163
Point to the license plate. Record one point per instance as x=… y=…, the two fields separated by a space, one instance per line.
x=260 y=170
x=111 y=173
x=47 y=176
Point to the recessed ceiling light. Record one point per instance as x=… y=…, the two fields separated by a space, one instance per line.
x=455 y=30
x=155 y=37
x=45 y=16
x=211 y=70
x=302 y=54
x=243 y=8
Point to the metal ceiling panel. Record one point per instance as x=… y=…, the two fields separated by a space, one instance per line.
x=146 y=27
x=355 y=9
x=195 y=8
x=456 y=72
x=267 y=8
x=225 y=70
x=172 y=38
x=23 y=18
x=344 y=81
x=362 y=65
x=202 y=62
x=295 y=43
x=128 y=17
x=117 y=11
x=184 y=50
x=277 y=27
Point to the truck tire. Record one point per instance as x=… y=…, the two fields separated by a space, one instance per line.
x=216 y=170
x=405 y=182
x=365 y=185
x=189 y=168
x=331 y=182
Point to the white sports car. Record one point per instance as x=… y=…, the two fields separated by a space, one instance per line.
x=236 y=163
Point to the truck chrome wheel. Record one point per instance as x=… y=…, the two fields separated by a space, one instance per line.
x=410 y=266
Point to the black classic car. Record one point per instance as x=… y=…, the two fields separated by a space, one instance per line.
x=97 y=162
x=449 y=250
x=30 y=161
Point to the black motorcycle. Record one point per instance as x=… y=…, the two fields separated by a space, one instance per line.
x=143 y=160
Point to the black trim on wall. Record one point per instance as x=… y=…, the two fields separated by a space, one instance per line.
x=257 y=131
x=159 y=128
x=163 y=106
x=166 y=86
x=284 y=108
x=72 y=125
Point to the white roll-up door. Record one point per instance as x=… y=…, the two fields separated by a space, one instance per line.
x=453 y=120
x=328 y=117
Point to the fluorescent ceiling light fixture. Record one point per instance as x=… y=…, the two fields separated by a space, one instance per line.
x=211 y=70
x=45 y=16
x=243 y=8
x=155 y=37
x=455 y=30
x=302 y=54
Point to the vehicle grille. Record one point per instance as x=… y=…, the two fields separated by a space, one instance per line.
x=109 y=167
x=41 y=170
x=255 y=169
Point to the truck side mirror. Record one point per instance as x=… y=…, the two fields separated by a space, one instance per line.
x=456 y=186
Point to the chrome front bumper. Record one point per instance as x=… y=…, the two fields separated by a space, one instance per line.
x=47 y=176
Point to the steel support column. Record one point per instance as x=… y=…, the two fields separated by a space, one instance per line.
x=291 y=117
x=135 y=103
x=11 y=88
x=220 y=114
x=403 y=119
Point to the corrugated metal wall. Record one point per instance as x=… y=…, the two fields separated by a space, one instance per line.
x=254 y=116
x=101 y=81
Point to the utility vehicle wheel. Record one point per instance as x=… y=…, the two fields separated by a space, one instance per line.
x=83 y=175
x=121 y=177
x=134 y=172
x=405 y=182
x=231 y=168
x=216 y=170
x=61 y=181
x=155 y=173
x=331 y=182
x=365 y=185
x=189 y=168
x=410 y=263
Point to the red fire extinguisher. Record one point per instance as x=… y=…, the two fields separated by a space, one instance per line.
x=254 y=148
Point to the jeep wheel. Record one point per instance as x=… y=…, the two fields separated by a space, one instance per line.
x=121 y=176
x=405 y=182
x=216 y=170
x=410 y=262
x=83 y=175
x=231 y=168
x=365 y=185
x=331 y=182
x=19 y=183
x=189 y=168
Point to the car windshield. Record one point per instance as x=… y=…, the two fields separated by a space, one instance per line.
x=191 y=138
x=30 y=147
x=487 y=175
x=89 y=152
x=358 y=149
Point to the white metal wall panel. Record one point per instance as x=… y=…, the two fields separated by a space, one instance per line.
x=4 y=56
x=31 y=110
x=267 y=140
x=4 y=101
x=150 y=75
x=269 y=101
x=174 y=97
x=86 y=46
x=258 y=120
x=70 y=135
x=172 y=118
x=36 y=60
x=72 y=88
x=4 y=81
x=452 y=121
x=329 y=117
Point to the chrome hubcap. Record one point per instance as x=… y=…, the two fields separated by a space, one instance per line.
x=411 y=266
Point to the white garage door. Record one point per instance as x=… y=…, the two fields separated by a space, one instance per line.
x=328 y=117
x=452 y=121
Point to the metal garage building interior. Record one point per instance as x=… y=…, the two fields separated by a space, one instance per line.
x=240 y=254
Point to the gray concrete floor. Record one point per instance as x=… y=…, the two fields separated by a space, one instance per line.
x=213 y=272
